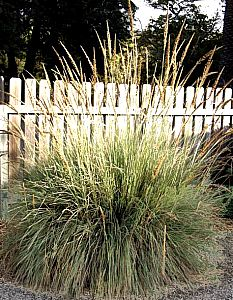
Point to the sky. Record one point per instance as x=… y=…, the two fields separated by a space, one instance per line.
x=145 y=12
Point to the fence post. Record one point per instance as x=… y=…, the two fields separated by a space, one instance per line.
x=3 y=160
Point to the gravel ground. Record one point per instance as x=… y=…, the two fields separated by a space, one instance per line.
x=223 y=290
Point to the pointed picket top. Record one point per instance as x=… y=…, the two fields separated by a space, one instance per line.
x=73 y=95
x=15 y=91
x=44 y=100
x=190 y=97
x=209 y=102
x=123 y=100
x=87 y=91
x=199 y=98
x=111 y=96
x=134 y=96
x=59 y=94
x=30 y=92
x=146 y=96
x=156 y=101
x=99 y=95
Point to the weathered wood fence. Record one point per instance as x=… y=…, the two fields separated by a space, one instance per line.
x=187 y=108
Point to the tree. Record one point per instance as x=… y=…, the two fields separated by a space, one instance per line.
x=227 y=55
x=176 y=8
x=12 y=27
x=36 y=27
x=206 y=35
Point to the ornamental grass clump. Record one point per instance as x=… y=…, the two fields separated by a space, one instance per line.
x=121 y=216
x=113 y=213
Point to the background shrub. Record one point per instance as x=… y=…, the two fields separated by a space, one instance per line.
x=221 y=143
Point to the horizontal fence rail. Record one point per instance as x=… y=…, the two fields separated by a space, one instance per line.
x=28 y=106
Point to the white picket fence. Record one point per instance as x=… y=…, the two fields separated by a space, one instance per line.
x=188 y=109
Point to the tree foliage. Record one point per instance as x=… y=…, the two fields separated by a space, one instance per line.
x=12 y=27
x=227 y=58
x=177 y=8
x=30 y=29
x=203 y=31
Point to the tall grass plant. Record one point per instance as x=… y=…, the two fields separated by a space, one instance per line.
x=118 y=214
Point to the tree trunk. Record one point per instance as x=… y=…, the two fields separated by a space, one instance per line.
x=32 y=50
x=227 y=57
x=12 y=70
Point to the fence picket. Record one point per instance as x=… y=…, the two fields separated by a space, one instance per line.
x=134 y=96
x=133 y=104
x=44 y=118
x=227 y=106
x=86 y=98
x=87 y=91
x=14 y=128
x=199 y=102
x=218 y=103
x=59 y=93
x=189 y=107
x=58 y=130
x=73 y=95
x=71 y=128
x=123 y=104
x=146 y=105
x=169 y=102
x=98 y=120
x=3 y=158
x=3 y=145
x=3 y=142
x=71 y=120
x=209 y=105
x=146 y=96
x=30 y=121
x=110 y=105
x=61 y=102
x=156 y=111
x=179 y=105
